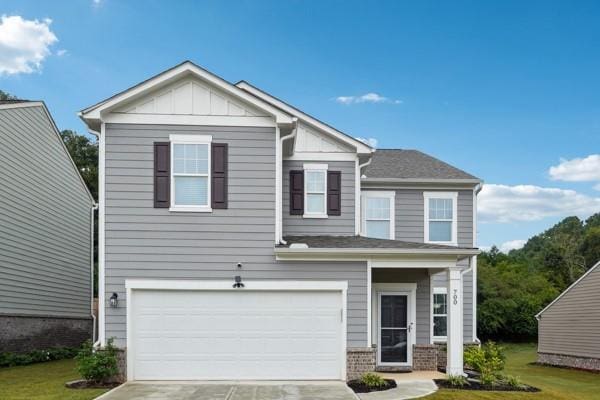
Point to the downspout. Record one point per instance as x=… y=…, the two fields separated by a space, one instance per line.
x=473 y=260
x=357 y=194
x=280 y=216
x=93 y=209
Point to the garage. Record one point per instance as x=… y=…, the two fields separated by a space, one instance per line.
x=208 y=330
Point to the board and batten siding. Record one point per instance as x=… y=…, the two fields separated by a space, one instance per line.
x=571 y=326
x=143 y=242
x=410 y=226
x=45 y=221
x=342 y=225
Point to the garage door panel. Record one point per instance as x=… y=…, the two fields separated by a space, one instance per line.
x=236 y=334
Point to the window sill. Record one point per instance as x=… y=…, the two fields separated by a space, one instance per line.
x=315 y=216
x=190 y=209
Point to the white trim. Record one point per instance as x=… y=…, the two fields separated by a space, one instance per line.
x=434 y=291
x=101 y=235
x=322 y=168
x=422 y=180
x=183 y=119
x=589 y=271
x=320 y=156
x=441 y=195
x=220 y=285
x=474 y=265
x=278 y=187
x=391 y=196
x=360 y=146
x=400 y=288
x=191 y=139
x=363 y=254
x=369 y=303
x=97 y=111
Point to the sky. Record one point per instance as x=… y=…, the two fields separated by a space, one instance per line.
x=507 y=91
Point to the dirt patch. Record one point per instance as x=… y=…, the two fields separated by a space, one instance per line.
x=360 y=387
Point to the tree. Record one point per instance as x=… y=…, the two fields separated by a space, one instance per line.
x=85 y=156
x=6 y=96
x=590 y=247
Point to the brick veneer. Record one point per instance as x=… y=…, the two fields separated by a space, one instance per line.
x=425 y=357
x=23 y=333
x=359 y=361
x=563 y=360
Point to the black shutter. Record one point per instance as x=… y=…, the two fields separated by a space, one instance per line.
x=296 y=192
x=334 y=193
x=162 y=175
x=219 y=175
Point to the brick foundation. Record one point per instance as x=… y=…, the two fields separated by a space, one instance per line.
x=442 y=356
x=359 y=360
x=563 y=360
x=22 y=334
x=122 y=365
x=425 y=357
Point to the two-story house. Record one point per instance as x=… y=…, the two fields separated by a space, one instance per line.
x=241 y=238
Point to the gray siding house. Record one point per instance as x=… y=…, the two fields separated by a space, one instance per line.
x=241 y=238
x=45 y=235
x=568 y=328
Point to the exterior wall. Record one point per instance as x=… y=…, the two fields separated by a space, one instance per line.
x=570 y=326
x=425 y=357
x=359 y=361
x=21 y=334
x=154 y=243
x=333 y=225
x=45 y=221
x=561 y=360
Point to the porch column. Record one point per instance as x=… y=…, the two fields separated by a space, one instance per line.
x=455 y=322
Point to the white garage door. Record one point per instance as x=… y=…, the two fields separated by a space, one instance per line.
x=236 y=334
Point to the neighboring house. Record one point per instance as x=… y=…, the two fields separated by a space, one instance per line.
x=46 y=216
x=569 y=327
x=241 y=238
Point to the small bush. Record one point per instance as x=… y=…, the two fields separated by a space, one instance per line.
x=372 y=380
x=37 y=356
x=488 y=360
x=513 y=381
x=457 y=380
x=97 y=365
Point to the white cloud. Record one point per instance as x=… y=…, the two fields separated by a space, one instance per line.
x=502 y=203
x=366 y=98
x=24 y=44
x=577 y=169
x=597 y=186
x=512 y=245
x=96 y=3
x=370 y=141
x=61 y=52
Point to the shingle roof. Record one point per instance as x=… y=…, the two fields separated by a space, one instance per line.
x=411 y=164
x=361 y=242
x=14 y=101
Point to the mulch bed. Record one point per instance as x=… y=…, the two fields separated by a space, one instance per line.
x=476 y=385
x=360 y=387
x=83 y=384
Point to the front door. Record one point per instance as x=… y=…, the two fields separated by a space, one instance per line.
x=394 y=329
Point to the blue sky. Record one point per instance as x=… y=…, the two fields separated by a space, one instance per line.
x=503 y=90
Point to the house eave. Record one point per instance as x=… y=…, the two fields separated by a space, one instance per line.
x=422 y=181
x=363 y=254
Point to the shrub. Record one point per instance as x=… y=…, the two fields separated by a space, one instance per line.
x=97 y=365
x=372 y=380
x=457 y=380
x=488 y=360
x=513 y=381
x=36 y=356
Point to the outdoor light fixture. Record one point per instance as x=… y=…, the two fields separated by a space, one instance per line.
x=114 y=300
x=238 y=282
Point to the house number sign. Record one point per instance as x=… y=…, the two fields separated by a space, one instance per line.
x=455 y=297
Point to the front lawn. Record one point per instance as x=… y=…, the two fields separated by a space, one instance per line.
x=44 y=381
x=556 y=383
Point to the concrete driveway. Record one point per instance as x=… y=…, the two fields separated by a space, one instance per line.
x=231 y=391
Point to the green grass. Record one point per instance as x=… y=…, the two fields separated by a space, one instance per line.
x=556 y=383
x=44 y=381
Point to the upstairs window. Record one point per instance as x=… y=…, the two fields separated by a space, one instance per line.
x=440 y=314
x=440 y=217
x=315 y=190
x=378 y=214
x=190 y=185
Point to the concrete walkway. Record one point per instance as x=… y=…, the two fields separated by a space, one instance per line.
x=411 y=385
x=230 y=391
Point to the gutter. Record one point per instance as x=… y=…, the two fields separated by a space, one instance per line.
x=377 y=251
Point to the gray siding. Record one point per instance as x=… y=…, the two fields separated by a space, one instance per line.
x=410 y=226
x=333 y=225
x=571 y=325
x=45 y=224
x=145 y=242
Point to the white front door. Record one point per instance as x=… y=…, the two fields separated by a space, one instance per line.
x=236 y=334
x=394 y=329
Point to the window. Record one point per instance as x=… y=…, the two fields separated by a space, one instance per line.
x=315 y=190
x=440 y=313
x=190 y=179
x=378 y=214
x=440 y=217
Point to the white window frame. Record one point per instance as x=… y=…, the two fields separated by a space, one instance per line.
x=323 y=169
x=391 y=196
x=439 y=290
x=454 y=230
x=191 y=139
